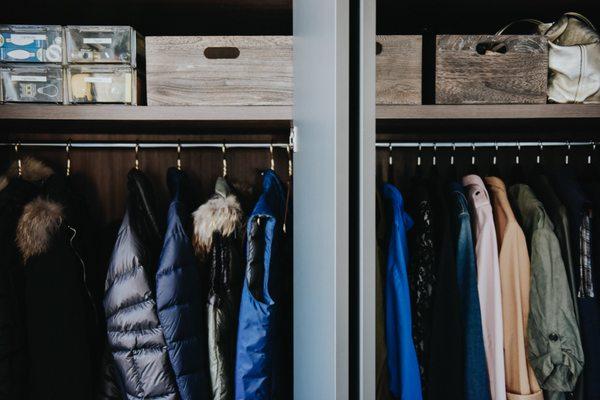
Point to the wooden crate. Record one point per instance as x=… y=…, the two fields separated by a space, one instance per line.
x=483 y=69
x=219 y=70
x=399 y=69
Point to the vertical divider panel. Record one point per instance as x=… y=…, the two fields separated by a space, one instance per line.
x=321 y=251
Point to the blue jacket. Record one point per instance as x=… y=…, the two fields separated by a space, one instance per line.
x=256 y=345
x=477 y=385
x=405 y=379
x=179 y=298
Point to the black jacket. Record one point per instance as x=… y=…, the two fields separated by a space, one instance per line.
x=135 y=335
x=15 y=192
x=60 y=318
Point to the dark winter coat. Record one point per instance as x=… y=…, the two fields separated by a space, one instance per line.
x=180 y=298
x=15 y=192
x=135 y=335
x=217 y=240
x=61 y=322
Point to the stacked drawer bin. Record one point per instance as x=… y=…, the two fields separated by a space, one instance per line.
x=102 y=64
x=31 y=58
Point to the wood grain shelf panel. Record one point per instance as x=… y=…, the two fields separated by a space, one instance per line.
x=145 y=113
x=478 y=112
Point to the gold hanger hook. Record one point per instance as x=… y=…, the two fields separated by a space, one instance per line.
x=19 y=163
x=271 y=155
x=518 y=156
x=473 y=155
x=179 y=155
x=68 y=150
x=390 y=156
x=137 y=150
x=568 y=151
x=538 y=159
x=452 y=154
x=419 y=155
x=224 y=151
x=290 y=161
x=434 y=158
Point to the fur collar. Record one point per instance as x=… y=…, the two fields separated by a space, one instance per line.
x=40 y=220
x=32 y=170
x=222 y=214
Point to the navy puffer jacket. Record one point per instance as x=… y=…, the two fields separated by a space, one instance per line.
x=135 y=336
x=179 y=296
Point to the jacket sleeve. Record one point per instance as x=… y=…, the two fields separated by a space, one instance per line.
x=555 y=351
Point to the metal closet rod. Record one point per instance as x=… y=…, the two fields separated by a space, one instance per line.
x=146 y=145
x=459 y=144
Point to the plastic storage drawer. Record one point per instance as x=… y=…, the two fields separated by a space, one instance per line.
x=32 y=83
x=31 y=43
x=101 y=84
x=103 y=45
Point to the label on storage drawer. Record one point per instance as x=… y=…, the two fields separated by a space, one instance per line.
x=28 y=78
x=97 y=79
x=18 y=38
x=97 y=40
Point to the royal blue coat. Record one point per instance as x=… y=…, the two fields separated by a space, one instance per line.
x=179 y=298
x=258 y=319
x=405 y=379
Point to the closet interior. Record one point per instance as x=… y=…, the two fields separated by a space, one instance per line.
x=450 y=134
x=101 y=144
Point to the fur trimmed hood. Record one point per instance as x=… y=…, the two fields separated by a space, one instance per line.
x=222 y=213
x=32 y=170
x=40 y=220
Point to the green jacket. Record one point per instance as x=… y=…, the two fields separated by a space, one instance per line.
x=555 y=351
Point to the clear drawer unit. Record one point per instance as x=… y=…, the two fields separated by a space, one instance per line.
x=103 y=45
x=101 y=84
x=31 y=43
x=31 y=83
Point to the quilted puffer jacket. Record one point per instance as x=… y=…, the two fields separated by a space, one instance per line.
x=260 y=335
x=135 y=335
x=217 y=241
x=15 y=192
x=180 y=298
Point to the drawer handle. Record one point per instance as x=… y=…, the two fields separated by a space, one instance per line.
x=378 y=48
x=215 y=53
x=498 y=47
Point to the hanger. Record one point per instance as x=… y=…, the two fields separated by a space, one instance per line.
x=419 y=169
x=495 y=169
x=433 y=172
x=68 y=150
x=473 y=169
x=178 y=155
x=567 y=153
x=590 y=173
x=224 y=151
x=452 y=170
x=271 y=155
x=517 y=170
x=137 y=161
x=18 y=156
x=289 y=187
x=390 y=166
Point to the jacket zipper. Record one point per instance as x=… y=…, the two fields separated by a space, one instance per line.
x=87 y=290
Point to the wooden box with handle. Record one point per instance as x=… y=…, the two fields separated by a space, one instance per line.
x=491 y=69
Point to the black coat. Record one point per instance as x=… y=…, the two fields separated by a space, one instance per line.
x=60 y=318
x=135 y=336
x=15 y=192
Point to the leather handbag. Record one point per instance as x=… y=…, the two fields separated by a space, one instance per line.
x=574 y=58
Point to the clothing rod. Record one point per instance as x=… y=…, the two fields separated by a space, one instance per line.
x=463 y=144
x=146 y=145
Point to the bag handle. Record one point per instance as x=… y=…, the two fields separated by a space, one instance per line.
x=535 y=22
x=581 y=18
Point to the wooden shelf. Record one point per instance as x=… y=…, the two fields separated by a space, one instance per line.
x=144 y=113
x=500 y=111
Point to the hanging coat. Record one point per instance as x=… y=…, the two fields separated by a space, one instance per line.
x=135 y=335
x=15 y=192
x=258 y=321
x=179 y=297
x=60 y=313
x=217 y=238
x=405 y=380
